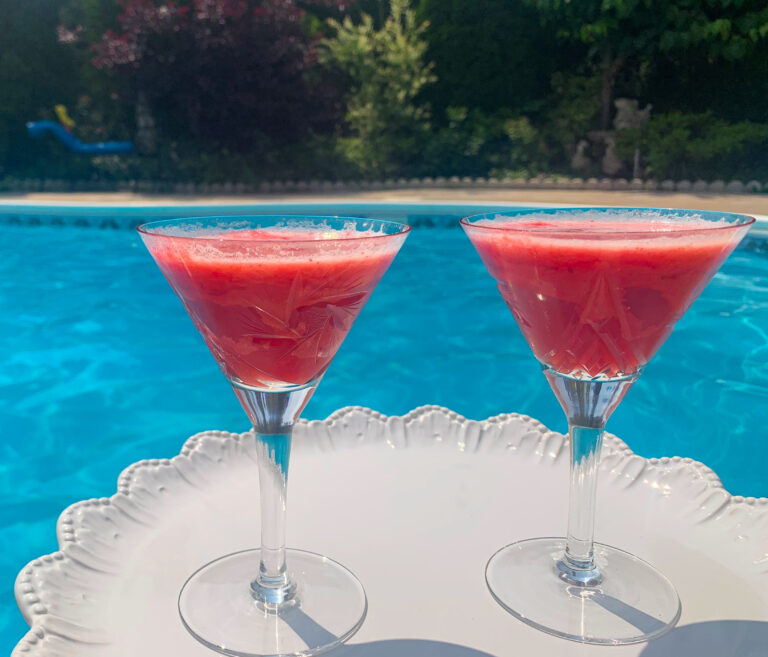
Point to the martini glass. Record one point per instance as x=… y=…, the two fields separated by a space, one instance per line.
x=595 y=292
x=273 y=297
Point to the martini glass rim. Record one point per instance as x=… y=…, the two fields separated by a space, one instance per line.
x=735 y=220
x=148 y=228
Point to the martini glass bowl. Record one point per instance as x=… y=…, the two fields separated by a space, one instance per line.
x=273 y=298
x=595 y=292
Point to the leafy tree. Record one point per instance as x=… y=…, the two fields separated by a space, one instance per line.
x=690 y=81
x=83 y=22
x=386 y=72
x=241 y=74
x=724 y=29
x=573 y=113
x=474 y=143
x=103 y=110
x=622 y=32
x=36 y=73
x=491 y=55
x=677 y=145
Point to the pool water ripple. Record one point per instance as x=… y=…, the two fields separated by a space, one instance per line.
x=101 y=367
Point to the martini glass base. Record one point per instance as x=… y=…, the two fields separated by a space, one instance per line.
x=633 y=602
x=217 y=607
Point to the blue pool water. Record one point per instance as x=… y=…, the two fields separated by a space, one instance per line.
x=101 y=367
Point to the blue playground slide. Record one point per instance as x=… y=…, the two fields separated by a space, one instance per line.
x=39 y=128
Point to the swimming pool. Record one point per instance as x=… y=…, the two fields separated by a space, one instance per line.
x=101 y=366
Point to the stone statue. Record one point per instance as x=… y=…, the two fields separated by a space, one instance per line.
x=580 y=161
x=629 y=114
x=612 y=165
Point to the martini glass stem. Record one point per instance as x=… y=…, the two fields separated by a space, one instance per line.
x=588 y=403
x=273 y=414
x=272 y=584
x=577 y=564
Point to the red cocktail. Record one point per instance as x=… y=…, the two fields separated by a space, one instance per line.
x=595 y=292
x=274 y=298
x=273 y=306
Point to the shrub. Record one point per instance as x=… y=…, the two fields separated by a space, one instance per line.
x=575 y=112
x=693 y=146
x=224 y=72
x=474 y=143
x=386 y=71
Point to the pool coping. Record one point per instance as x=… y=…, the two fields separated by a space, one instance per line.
x=28 y=212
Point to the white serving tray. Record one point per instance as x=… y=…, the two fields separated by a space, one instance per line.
x=414 y=506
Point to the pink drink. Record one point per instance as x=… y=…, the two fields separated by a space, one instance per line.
x=598 y=298
x=274 y=305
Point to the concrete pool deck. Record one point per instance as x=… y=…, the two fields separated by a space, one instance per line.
x=747 y=203
x=752 y=204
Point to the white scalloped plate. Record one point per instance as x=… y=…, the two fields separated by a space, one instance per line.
x=414 y=506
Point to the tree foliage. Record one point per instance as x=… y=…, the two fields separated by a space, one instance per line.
x=229 y=72
x=618 y=33
x=386 y=73
x=725 y=29
x=698 y=145
x=36 y=73
x=255 y=89
x=490 y=55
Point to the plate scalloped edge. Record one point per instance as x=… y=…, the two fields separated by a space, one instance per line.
x=141 y=484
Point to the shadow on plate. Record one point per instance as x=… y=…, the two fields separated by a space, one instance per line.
x=315 y=634
x=727 y=638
